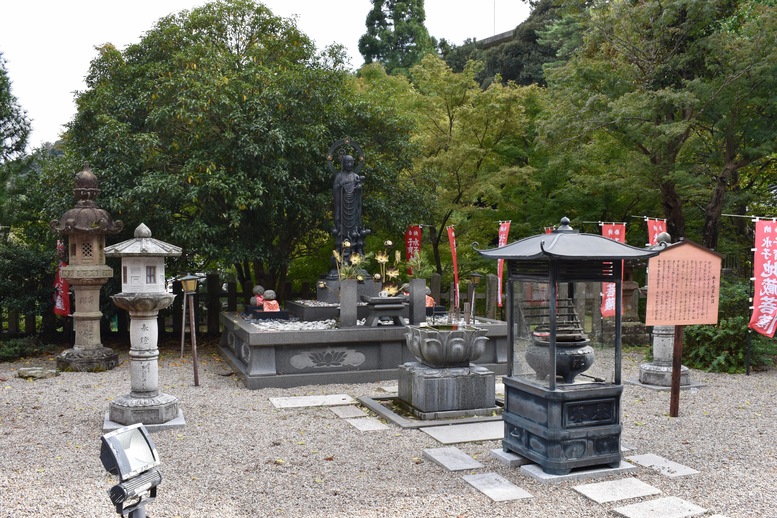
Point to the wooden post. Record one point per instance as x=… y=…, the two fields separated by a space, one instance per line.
x=193 y=333
x=213 y=287
x=231 y=296
x=677 y=364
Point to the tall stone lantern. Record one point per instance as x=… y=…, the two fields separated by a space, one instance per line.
x=143 y=294
x=86 y=226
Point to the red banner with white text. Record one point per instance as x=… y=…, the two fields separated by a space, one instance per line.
x=764 y=318
x=504 y=230
x=61 y=286
x=412 y=243
x=655 y=227
x=452 y=241
x=616 y=232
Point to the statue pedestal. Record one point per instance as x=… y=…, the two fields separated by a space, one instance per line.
x=659 y=372
x=445 y=393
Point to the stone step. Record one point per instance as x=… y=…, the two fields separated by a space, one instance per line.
x=451 y=458
x=496 y=487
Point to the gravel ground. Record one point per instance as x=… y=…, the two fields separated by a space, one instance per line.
x=240 y=456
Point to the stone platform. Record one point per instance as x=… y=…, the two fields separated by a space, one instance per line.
x=353 y=355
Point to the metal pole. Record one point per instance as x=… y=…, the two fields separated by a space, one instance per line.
x=193 y=332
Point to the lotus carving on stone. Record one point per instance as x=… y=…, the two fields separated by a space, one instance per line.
x=443 y=347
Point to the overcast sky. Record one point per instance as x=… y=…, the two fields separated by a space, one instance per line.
x=48 y=44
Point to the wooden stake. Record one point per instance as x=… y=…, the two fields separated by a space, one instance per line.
x=677 y=365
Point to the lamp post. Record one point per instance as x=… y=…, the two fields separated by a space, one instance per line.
x=474 y=280
x=189 y=284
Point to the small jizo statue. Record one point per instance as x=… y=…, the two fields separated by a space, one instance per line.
x=258 y=298
x=270 y=304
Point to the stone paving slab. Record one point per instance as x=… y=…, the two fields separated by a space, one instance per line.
x=366 y=424
x=669 y=507
x=662 y=465
x=471 y=432
x=615 y=490
x=307 y=401
x=496 y=487
x=348 y=412
x=451 y=458
x=535 y=471
x=512 y=460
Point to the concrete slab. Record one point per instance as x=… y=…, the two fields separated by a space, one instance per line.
x=367 y=424
x=669 y=507
x=452 y=459
x=662 y=465
x=496 y=487
x=307 y=401
x=172 y=424
x=512 y=460
x=615 y=490
x=348 y=412
x=471 y=432
x=535 y=471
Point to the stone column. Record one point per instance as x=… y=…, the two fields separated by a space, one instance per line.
x=348 y=302
x=659 y=372
x=144 y=404
x=417 y=301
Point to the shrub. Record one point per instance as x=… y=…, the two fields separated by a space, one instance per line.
x=723 y=347
x=19 y=347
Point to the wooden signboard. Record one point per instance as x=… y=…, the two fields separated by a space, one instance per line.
x=683 y=289
x=683 y=286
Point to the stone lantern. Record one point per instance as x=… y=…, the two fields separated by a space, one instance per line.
x=85 y=227
x=143 y=294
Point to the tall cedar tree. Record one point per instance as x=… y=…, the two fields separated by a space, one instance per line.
x=396 y=36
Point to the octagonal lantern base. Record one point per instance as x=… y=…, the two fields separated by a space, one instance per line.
x=97 y=359
x=129 y=409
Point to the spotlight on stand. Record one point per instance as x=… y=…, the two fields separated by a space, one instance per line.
x=130 y=454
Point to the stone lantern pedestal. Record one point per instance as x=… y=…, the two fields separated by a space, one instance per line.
x=145 y=403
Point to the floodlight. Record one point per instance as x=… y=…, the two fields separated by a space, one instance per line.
x=130 y=454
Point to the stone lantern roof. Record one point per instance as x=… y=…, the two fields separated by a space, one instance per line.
x=143 y=245
x=86 y=217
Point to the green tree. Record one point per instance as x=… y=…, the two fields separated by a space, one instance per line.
x=14 y=133
x=474 y=146
x=213 y=130
x=666 y=79
x=14 y=124
x=396 y=35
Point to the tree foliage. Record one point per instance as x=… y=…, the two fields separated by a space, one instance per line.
x=685 y=87
x=214 y=129
x=14 y=124
x=474 y=146
x=396 y=35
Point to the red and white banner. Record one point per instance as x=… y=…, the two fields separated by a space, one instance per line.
x=654 y=227
x=504 y=230
x=61 y=286
x=452 y=241
x=764 y=318
x=616 y=232
x=412 y=243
